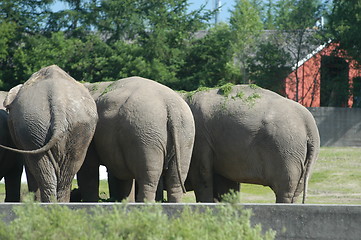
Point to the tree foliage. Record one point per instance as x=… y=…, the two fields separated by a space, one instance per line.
x=104 y=40
x=209 y=60
x=269 y=67
x=246 y=26
x=345 y=24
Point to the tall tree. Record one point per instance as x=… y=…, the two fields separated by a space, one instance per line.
x=345 y=25
x=246 y=26
x=120 y=19
x=19 y=20
x=7 y=34
x=269 y=67
x=209 y=60
x=297 y=15
x=296 y=21
x=76 y=20
x=28 y=15
x=160 y=28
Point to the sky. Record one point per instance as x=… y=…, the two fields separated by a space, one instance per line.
x=226 y=6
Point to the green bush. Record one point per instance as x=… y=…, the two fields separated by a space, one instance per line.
x=54 y=221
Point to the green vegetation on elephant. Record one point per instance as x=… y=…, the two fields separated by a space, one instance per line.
x=227 y=91
x=247 y=139
x=109 y=88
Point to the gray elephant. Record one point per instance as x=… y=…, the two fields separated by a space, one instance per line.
x=246 y=134
x=145 y=130
x=11 y=163
x=52 y=119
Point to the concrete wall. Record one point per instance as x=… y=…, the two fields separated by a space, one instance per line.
x=309 y=221
x=291 y=221
x=338 y=127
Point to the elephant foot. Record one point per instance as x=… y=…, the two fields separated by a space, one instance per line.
x=175 y=196
x=145 y=193
x=285 y=198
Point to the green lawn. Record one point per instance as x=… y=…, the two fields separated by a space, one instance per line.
x=335 y=179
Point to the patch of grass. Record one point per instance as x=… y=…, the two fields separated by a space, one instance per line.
x=189 y=197
x=335 y=179
x=253 y=86
x=109 y=88
x=226 y=89
x=252 y=193
x=2 y=192
x=239 y=95
x=103 y=189
x=189 y=95
x=95 y=87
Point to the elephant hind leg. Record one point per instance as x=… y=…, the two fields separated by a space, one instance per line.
x=284 y=198
x=120 y=189
x=174 y=192
x=145 y=191
x=286 y=193
x=148 y=172
x=63 y=195
x=44 y=175
x=173 y=184
x=222 y=186
x=13 y=181
x=146 y=185
x=12 y=187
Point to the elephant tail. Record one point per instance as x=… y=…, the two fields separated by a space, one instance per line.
x=177 y=156
x=182 y=129
x=58 y=127
x=313 y=147
x=53 y=140
x=312 y=154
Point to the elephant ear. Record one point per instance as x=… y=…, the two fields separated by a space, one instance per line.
x=11 y=95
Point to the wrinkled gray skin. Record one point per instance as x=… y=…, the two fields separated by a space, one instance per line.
x=52 y=118
x=145 y=130
x=252 y=136
x=11 y=163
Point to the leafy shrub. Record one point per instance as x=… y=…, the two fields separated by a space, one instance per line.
x=54 y=221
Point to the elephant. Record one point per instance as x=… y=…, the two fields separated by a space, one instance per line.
x=247 y=134
x=52 y=119
x=145 y=130
x=11 y=163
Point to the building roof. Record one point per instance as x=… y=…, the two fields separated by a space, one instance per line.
x=310 y=55
x=300 y=45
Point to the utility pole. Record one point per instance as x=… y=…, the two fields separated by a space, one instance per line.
x=217 y=5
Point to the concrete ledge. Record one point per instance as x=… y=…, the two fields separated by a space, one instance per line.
x=309 y=221
x=291 y=221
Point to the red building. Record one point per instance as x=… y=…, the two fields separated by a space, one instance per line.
x=326 y=77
